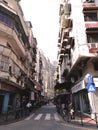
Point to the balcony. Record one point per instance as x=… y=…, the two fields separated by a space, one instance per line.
x=68 y=47
x=67 y=9
x=61 y=56
x=12 y=71
x=89 y=25
x=65 y=42
x=93 y=47
x=9 y=53
x=59 y=40
x=14 y=38
x=62 y=50
x=61 y=11
x=66 y=22
x=12 y=12
x=89 y=4
x=63 y=21
x=6 y=7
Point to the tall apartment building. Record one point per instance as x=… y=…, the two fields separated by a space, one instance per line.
x=17 y=55
x=78 y=52
x=43 y=73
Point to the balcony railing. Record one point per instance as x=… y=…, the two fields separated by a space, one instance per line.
x=67 y=9
x=11 y=67
x=66 y=22
x=93 y=45
x=2 y=4
x=12 y=34
x=89 y=3
x=91 y=24
x=9 y=53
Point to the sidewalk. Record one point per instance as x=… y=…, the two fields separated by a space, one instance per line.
x=85 y=120
x=10 y=116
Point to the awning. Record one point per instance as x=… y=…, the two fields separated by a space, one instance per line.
x=65 y=85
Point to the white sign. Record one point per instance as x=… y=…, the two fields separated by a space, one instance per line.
x=78 y=87
x=95 y=80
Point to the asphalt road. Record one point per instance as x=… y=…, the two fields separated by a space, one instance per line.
x=44 y=118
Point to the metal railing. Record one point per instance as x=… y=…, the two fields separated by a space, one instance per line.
x=86 y=119
x=81 y=118
x=10 y=116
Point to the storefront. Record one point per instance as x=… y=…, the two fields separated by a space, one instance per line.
x=8 y=96
x=80 y=97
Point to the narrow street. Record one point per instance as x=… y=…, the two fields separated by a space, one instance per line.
x=44 y=118
x=48 y=54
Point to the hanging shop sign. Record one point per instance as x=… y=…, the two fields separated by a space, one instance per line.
x=78 y=87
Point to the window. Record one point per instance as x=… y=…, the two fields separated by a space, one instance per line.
x=92 y=38
x=7 y=20
x=90 y=17
x=10 y=22
x=4 y=63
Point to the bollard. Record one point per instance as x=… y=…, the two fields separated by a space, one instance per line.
x=81 y=118
x=96 y=120
x=6 y=116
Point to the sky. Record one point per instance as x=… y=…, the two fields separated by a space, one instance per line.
x=44 y=16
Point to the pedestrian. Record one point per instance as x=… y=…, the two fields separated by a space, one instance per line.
x=71 y=110
x=23 y=105
x=28 y=107
x=58 y=104
x=17 y=110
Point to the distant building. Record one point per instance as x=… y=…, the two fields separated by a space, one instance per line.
x=45 y=74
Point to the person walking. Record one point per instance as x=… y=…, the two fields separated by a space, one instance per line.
x=17 y=110
x=23 y=106
x=71 y=110
x=28 y=107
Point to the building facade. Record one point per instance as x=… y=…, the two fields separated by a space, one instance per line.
x=17 y=55
x=78 y=52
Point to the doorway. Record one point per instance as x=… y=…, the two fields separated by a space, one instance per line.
x=1 y=102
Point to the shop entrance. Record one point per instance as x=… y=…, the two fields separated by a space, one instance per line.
x=1 y=102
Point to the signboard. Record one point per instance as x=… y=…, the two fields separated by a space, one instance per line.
x=89 y=79
x=91 y=87
x=78 y=87
x=95 y=80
